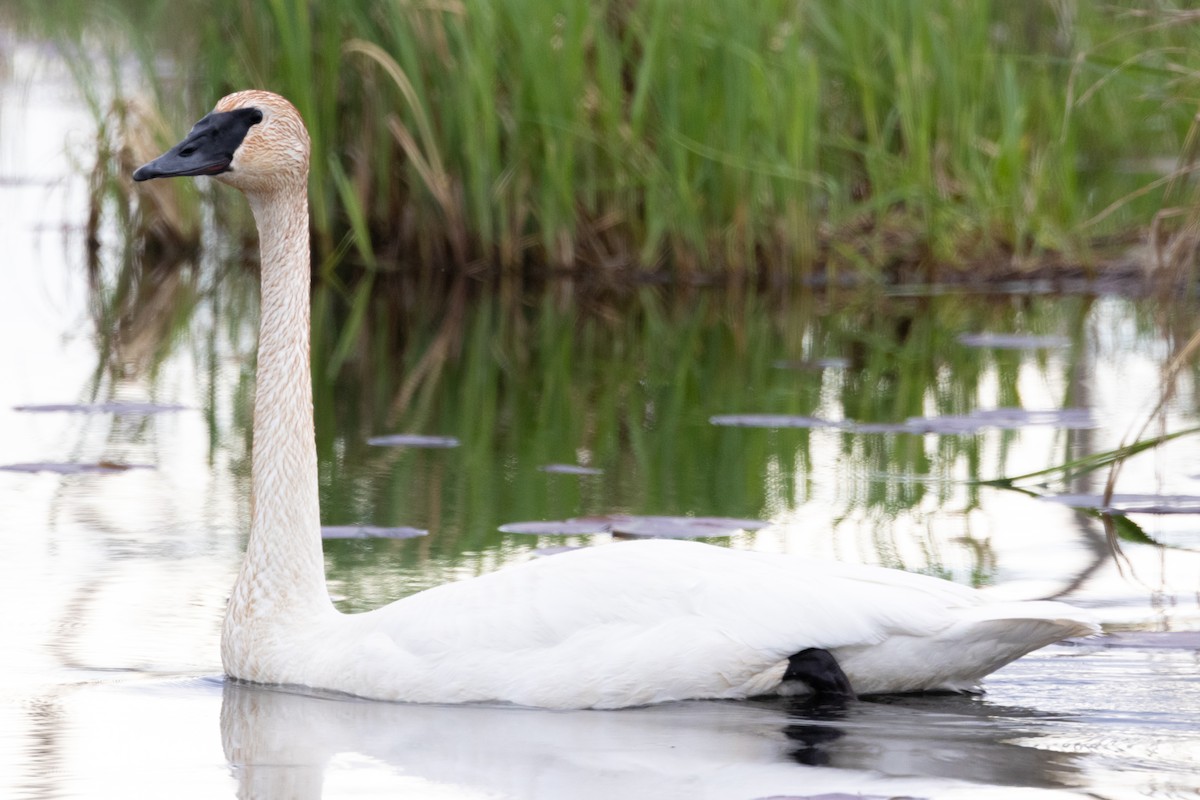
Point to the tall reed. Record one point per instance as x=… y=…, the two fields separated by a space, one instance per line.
x=766 y=139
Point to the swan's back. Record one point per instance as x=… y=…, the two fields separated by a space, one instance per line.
x=648 y=621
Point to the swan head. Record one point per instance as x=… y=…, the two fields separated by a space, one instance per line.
x=252 y=140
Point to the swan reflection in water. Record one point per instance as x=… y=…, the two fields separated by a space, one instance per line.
x=288 y=744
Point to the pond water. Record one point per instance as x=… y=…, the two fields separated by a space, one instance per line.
x=555 y=404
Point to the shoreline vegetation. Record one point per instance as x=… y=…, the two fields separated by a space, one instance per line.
x=470 y=153
x=772 y=143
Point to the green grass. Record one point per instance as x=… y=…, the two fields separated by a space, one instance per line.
x=771 y=139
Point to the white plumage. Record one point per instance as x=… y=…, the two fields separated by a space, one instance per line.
x=620 y=625
x=649 y=621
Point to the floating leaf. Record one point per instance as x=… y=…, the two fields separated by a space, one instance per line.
x=639 y=526
x=1012 y=341
x=1132 y=503
x=568 y=527
x=1020 y=417
x=1004 y=419
x=744 y=524
x=1149 y=640
x=413 y=440
x=683 y=527
x=570 y=469
x=659 y=527
x=1129 y=531
x=120 y=409
x=369 y=532
x=876 y=427
x=99 y=467
x=770 y=421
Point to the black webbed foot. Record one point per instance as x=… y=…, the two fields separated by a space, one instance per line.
x=820 y=671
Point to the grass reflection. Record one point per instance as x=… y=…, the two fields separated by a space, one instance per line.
x=625 y=380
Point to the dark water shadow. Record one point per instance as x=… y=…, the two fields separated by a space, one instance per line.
x=946 y=736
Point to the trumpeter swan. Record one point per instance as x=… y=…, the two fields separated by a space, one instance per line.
x=606 y=627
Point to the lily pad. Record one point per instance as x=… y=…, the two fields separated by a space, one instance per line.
x=658 y=527
x=1148 y=640
x=981 y=419
x=1013 y=341
x=684 y=527
x=370 y=532
x=1132 y=503
x=62 y=468
x=566 y=527
x=120 y=409
x=770 y=421
x=1020 y=417
x=743 y=524
x=876 y=427
x=413 y=440
x=570 y=469
x=1003 y=419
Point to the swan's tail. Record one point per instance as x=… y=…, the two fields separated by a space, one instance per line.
x=1056 y=621
x=982 y=640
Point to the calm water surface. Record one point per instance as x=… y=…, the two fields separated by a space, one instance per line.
x=114 y=584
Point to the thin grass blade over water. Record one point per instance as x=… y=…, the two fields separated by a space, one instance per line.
x=1082 y=466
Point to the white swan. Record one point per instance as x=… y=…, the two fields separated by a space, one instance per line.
x=607 y=627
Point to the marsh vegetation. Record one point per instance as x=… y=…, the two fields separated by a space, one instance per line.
x=776 y=141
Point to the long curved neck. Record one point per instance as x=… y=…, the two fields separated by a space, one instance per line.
x=283 y=575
